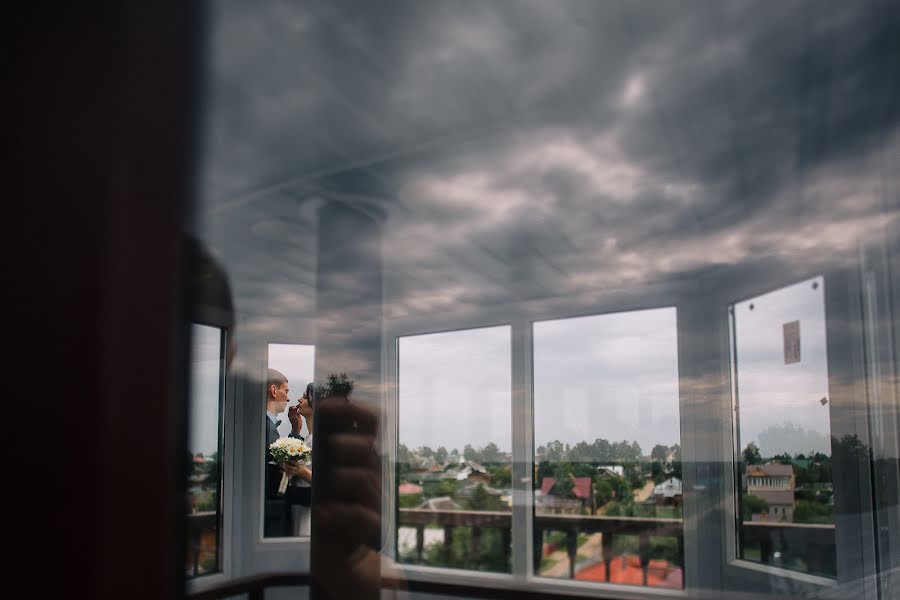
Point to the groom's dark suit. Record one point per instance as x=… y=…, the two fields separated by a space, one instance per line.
x=277 y=518
x=273 y=472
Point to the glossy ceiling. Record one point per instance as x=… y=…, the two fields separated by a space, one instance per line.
x=536 y=150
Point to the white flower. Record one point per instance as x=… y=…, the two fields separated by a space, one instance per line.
x=289 y=448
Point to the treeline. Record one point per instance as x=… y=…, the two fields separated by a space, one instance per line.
x=489 y=454
x=560 y=461
x=600 y=451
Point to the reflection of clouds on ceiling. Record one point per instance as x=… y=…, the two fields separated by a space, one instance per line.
x=538 y=150
x=620 y=226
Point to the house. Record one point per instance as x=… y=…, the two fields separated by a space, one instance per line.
x=668 y=493
x=547 y=499
x=469 y=471
x=478 y=473
x=774 y=483
x=424 y=465
x=440 y=504
x=610 y=471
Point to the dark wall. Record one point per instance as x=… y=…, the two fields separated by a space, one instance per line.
x=100 y=125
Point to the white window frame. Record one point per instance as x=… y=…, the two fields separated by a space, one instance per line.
x=250 y=553
x=839 y=357
x=521 y=317
x=226 y=474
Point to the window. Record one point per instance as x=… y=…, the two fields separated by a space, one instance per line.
x=288 y=514
x=782 y=430
x=204 y=511
x=454 y=488
x=606 y=430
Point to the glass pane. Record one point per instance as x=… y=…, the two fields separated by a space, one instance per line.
x=783 y=430
x=205 y=449
x=287 y=514
x=608 y=481
x=453 y=461
x=368 y=175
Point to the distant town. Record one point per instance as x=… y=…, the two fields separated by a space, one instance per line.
x=599 y=478
x=591 y=479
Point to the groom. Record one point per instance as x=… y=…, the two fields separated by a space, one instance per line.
x=277 y=517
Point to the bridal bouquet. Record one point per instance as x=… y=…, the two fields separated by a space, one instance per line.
x=289 y=448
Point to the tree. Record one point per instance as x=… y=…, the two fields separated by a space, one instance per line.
x=603 y=491
x=481 y=500
x=491 y=453
x=443 y=487
x=657 y=472
x=469 y=453
x=751 y=454
x=338 y=384
x=659 y=453
x=634 y=473
x=852 y=448
x=813 y=512
x=752 y=505
x=501 y=476
x=564 y=486
x=675 y=466
x=403 y=454
x=441 y=454
x=555 y=451
x=622 y=508
x=410 y=500
x=784 y=458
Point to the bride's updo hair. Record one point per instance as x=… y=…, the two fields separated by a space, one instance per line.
x=311 y=394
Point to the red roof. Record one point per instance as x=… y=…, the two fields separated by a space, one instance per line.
x=581 y=487
x=627 y=569
x=409 y=488
x=547 y=484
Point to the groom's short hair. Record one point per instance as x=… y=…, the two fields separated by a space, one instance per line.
x=275 y=378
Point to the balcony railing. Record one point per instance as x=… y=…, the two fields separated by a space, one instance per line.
x=814 y=543
x=197 y=523
x=643 y=528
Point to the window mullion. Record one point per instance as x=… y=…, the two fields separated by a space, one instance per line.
x=522 y=446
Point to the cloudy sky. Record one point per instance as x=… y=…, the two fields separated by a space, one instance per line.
x=455 y=388
x=517 y=156
x=206 y=369
x=612 y=376
x=773 y=391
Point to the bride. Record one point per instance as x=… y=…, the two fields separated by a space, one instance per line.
x=300 y=492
